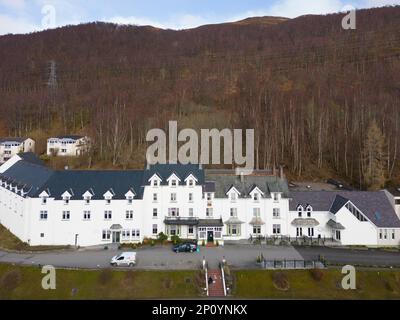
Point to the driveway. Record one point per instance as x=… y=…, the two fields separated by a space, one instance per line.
x=238 y=256
x=162 y=258
x=344 y=256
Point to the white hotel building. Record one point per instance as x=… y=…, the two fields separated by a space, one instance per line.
x=42 y=206
x=12 y=146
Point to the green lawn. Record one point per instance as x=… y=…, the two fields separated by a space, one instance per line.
x=10 y=242
x=25 y=283
x=371 y=284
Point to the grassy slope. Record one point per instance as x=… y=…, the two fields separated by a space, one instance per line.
x=10 y=242
x=120 y=285
x=370 y=284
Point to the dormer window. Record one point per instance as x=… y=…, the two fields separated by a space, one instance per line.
x=191 y=183
x=309 y=210
x=66 y=200
x=256 y=197
x=300 y=211
x=155 y=183
x=233 y=196
x=129 y=196
x=173 y=183
x=44 y=200
x=108 y=196
x=87 y=196
x=276 y=197
x=209 y=196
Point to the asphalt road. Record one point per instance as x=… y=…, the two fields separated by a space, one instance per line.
x=369 y=257
x=238 y=256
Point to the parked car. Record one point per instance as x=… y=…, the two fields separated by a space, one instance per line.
x=124 y=259
x=185 y=247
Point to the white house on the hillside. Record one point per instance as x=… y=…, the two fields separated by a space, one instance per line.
x=42 y=206
x=70 y=146
x=12 y=146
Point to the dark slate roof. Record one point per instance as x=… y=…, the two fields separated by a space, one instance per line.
x=29 y=175
x=73 y=137
x=209 y=186
x=31 y=157
x=14 y=139
x=164 y=171
x=267 y=184
x=374 y=205
x=97 y=182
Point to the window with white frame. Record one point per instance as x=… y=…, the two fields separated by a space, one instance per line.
x=155 y=197
x=66 y=199
x=155 y=183
x=299 y=211
x=155 y=229
x=173 y=197
x=299 y=232
x=276 y=229
x=234 y=230
x=66 y=215
x=107 y=215
x=173 y=183
x=209 y=196
x=44 y=200
x=256 y=197
x=276 y=213
x=190 y=230
x=209 y=212
x=87 y=200
x=106 y=235
x=173 y=212
x=234 y=212
x=190 y=212
x=276 y=197
x=233 y=196
x=309 y=210
x=43 y=215
x=136 y=233
x=129 y=214
x=155 y=212
x=190 y=197
x=393 y=234
x=130 y=200
x=191 y=182
x=87 y=215
x=257 y=230
x=311 y=232
x=256 y=213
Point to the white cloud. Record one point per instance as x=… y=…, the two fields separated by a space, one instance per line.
x=177 y=22
x=16 y=25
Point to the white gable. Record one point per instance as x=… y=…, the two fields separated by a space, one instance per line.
x=191 y=176
x=87 y=194
x=66 y=194
x=233 y=190
x=155 y=177
x=173 y=177
x=108 y=195
x=44 y=194
x=256 y=190
x=130 y=194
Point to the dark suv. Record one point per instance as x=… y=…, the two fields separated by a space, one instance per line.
x=185 y=247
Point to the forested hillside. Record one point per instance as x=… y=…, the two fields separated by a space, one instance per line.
x=318 y=96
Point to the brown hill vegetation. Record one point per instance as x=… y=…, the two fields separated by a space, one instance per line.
x=309 y=88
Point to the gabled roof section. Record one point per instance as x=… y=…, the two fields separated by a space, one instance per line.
x=164 y=171
x=191 y=176
x=232 y=188
x=368 y=202
x=174 y=176
x=246 y=183
x=255 y=188
x=31 y=176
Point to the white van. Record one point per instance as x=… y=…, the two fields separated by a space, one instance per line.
x=124 y=259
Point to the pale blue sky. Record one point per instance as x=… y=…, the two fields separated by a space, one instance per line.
x=22 y=16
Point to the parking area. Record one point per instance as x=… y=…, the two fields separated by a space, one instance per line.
x=153 y=258
x=239 y=256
